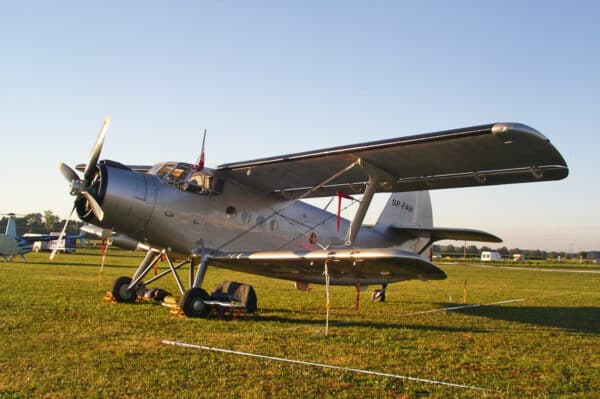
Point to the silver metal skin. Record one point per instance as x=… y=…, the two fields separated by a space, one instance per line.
x=160 y=215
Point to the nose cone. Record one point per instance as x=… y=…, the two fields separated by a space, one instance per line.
x=89 y=200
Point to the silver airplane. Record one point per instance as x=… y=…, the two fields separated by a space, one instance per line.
x=249 y=216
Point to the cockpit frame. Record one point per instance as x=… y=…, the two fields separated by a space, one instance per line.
x=186 y=177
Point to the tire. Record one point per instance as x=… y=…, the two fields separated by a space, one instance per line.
x=240 y=292
x=192 y=303
x=120 y=291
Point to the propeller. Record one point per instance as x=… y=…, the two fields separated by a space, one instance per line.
x=62 y=234
x=81 y=187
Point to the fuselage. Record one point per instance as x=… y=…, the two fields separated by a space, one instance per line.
x=169 y=210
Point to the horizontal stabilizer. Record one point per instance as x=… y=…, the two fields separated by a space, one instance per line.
x=445 y=233
x=345 y=266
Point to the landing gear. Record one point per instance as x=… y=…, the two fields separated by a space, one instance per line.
x=192 y=303
x=379 y=295
x=121 y=291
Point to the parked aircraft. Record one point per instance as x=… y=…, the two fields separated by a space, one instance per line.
x=11 y=244
x=248 y=216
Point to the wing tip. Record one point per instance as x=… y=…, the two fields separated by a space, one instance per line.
x=504 y=127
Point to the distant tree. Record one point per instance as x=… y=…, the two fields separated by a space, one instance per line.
x=535 y=254
x=503 y=251
x=582 y=255
x=50 y=220
x=34 y=219
x=450 y=249
x=35 y=222
x=485 y=248
x=21 y=225
x=472 y=250
x=514 y=251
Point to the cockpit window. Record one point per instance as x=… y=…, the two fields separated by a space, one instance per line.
x=185 y=177
x=177 y=174
x=172 y=172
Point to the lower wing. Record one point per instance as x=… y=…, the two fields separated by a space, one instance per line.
x=345 y=266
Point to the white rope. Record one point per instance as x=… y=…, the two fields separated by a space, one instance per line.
x=462 y=307
x=327 y=305
x=329 y=366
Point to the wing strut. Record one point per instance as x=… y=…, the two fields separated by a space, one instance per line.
x=370 y=189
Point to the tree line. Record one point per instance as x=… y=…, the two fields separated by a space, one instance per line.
x=40 y=223
x=472 y=251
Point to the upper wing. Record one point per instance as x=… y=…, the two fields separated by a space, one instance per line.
x=345 y=266
x=491 y=154
x=136 y=168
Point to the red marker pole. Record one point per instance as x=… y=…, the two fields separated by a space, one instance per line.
x=341 y=195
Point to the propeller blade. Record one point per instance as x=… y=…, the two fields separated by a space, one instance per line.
x=89 y=169
x=96 y=208
x=62 y=234
x=67 y=172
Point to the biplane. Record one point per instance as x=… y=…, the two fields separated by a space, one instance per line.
x=249 y=216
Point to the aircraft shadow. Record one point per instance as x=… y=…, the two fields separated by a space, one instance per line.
x=79 y=264
x=584 y=319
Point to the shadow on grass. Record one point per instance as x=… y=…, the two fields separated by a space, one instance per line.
x=581 y=319
x=70 y=264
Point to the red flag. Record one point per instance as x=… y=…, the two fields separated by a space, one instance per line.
x=200 y=165
x=200 y=162
x=340 y=196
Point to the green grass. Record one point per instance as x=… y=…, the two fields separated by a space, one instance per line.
x=58 y=340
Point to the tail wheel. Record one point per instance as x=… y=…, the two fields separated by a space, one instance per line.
x=192 y=303
x=378 y=296
x=121 y=292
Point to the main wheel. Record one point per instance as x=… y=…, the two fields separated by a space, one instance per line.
x=120 y=291
x=192 y=303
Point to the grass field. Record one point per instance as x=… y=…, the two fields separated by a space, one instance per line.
x=58 y=340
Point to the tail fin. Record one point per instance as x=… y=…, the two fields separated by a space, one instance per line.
x=410 y=209
x=11 y=226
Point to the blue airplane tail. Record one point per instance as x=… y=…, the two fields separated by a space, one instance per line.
x=11 y=226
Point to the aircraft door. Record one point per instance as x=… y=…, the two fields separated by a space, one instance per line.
x=142 y=207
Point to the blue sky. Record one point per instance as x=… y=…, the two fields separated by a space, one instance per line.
x=268 y=78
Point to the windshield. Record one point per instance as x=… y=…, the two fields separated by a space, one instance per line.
x=185 y=177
